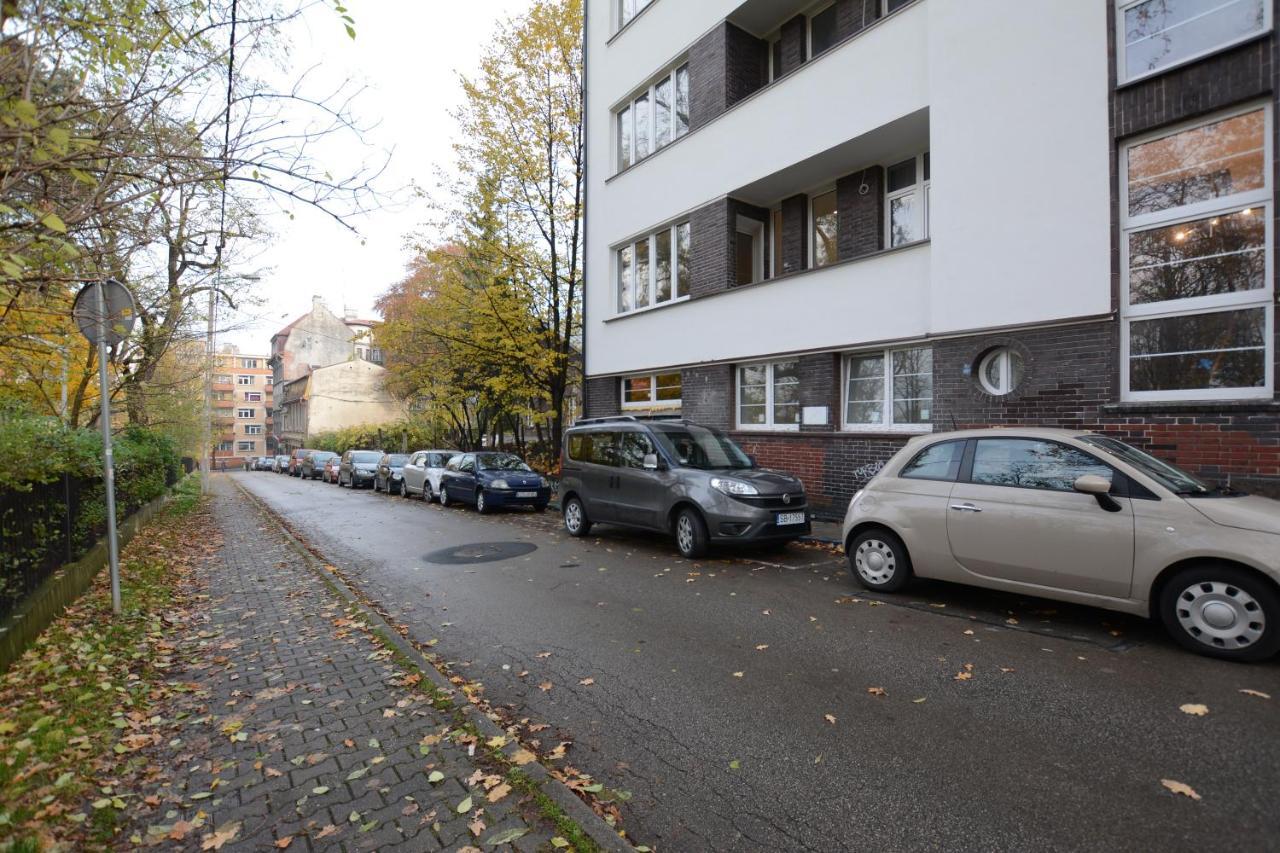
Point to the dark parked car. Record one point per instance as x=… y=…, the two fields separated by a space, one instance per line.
x=295 y=460
x=389 y=477
x=262 y=463
x=358 y=468
x=492 y=480
x=676 y=477
x=313 y=464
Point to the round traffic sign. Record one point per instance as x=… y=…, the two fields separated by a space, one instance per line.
x=105 y=307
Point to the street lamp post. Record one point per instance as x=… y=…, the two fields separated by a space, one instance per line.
x=210 y=358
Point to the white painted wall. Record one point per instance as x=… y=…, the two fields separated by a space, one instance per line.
x=1017 y=102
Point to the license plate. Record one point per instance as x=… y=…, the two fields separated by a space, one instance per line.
x=526 y=494
x=790 y=518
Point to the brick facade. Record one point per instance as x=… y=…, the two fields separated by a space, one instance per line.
x=725 y=66
x=794 y=48
x=795 y=233
x=601 y=396
x=707 y=395
x=860 y=201
x=713 y=238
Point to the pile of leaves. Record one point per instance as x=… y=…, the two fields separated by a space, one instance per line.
x=78 y=709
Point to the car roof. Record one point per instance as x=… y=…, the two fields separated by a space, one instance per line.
x=1010 y=432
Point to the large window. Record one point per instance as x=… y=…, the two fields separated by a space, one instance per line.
x=643 y=392
x=244 y=414
x=253 y=396
x=769 y=396
x=249 y=363
x=628 y=9
x=1197 y=262
x=822 y=31
x=654 y=269
x=826 y=229
x=654 y=118
x=253 y=429
x=244 y=379
x=246 y=446
x=889 y=389
x=1159 y=34
x=907 y=201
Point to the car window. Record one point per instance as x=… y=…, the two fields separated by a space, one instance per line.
x=468 y=463
x=633 y=448
x=1032 y=464
x=939 y=461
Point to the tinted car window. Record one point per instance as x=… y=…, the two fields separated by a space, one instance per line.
x=466 y=463
x=937 y=462
x=438 y=460
x=365 y=457
x=698 y=447
x=594 y=447
x=1031 y=464
x=632 y=449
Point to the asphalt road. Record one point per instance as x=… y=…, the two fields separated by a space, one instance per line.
x=1058 y=739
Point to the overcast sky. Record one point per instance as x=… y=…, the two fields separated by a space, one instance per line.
x=407 y=54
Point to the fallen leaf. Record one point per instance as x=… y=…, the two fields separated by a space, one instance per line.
x=436 y=776
x=522 y=757
x=735 y=764
x=963 y=676
x=918 y=701
x=543 y=655
x=328 y=830
x=476 y=826
x=876 y=691
x=505 y=837
x=496 y=742
x=1180 y=788
x=1258 y=693
x=220 y=837
x=766 y=613
x=1007 y=669
x=282 y=843
x=968 y=632
x=587 y=682
x=762 y=647
x=545 y=686
x=499 y=792
x=179 y=830
x=739 y=674
x=1193 y=709
x=464 y=806
x=830 y=718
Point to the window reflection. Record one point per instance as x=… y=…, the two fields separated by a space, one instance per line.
x=1212 y=161
x=1219 y=254
x=826 y=227
x=1221 y=349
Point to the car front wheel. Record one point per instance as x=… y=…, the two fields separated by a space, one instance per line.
x=482 y=506
x=691 y=534
x=879 y=560
x=575 y=518
x=1222 y=611
x=444 y=495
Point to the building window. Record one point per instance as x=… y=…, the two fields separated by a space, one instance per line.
x=890 y=389
x=822 y=31
x=1160 y=34
x=249 y=363
x=268 y=380
x=654 y=118
x=654 y=269
x=253 y=396
x=244 y=413
x=1196 y=261
x=769 y=396
x=244 y=379
x=826 y=229
x=643 y=392
x=225 y=446
x=907 y=201
x=246 y=446
x=253 y=429
x=891 y=6
x=748 y=251
x=222 y=378
x=628 y=9
x=1000 y=371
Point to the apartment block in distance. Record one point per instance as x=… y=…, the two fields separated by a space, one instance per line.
x=242 y=409
x=826 y=228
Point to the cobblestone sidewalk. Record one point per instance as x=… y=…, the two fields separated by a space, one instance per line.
x=301 y=732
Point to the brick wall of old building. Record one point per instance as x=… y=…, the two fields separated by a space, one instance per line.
x=725 y=66
x=601 y=396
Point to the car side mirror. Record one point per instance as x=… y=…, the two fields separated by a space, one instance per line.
x=752 y=460
x=651 y=462
x=1100 y=488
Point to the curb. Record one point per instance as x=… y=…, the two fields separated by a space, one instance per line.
x=591 y=823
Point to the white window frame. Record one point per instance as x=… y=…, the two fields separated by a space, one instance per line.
x=1260 y=199
x=246 y=446
x=248 y=364
x=758 y=232
x=653 y=402
x=920 y=187
x=768 y=425
x=620 y=21
x=813 y=227
x=1122 y=61
x=679 y=290
x=886 y=424
x=671 y=74
x=253 y=396
x=253 y=429
x=244 y=379
x=1005 y=386
x=241 y=414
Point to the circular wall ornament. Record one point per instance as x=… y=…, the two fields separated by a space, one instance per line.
x=1000 y=371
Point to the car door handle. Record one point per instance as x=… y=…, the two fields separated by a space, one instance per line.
x=966 y=508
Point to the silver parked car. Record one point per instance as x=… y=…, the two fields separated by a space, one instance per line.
x=1078 y=517
x=280 y=464
x=422 y=473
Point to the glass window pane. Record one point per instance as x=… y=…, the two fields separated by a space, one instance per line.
x=939 y=462
x=994 y=372
x=662 y=111
x=682 y=101
x=624 y=279
x=682 y=259
x=1031 y=464
x=624 y=138
x=902 y=175
x=626 y=11
x=865 y=390
x=1207 y=162
x=868 y=412
x=662 y=265
x=638 y=389
x=642 y=126
x=744 y=257
x=669 y=386
x=1224 y=349
x=1221 y=254
x=1159 y=33
x=641 y=288
x=822 y=30
x=753 y=415
x=912 y=386
x=904 y=221
x=786 y=393
x=633 y=447
x=826 y=226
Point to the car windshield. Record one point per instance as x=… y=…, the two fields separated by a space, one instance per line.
x=500 y=462
x=325 y=456
x=1171 y=477
x=698 y=447
x=397 y=460
x=363 y=457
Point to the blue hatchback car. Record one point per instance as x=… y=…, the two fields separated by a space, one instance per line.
x=492 y=480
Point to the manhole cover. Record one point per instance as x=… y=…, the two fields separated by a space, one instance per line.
x=479 y=552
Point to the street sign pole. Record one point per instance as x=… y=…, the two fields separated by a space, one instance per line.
x=108 y=460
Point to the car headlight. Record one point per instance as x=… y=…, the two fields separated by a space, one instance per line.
x=733 y=487
x=499 y=484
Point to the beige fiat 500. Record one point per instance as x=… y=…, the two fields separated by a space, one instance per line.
x=1078 y=517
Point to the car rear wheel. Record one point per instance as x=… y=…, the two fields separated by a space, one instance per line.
x=575 y=518
x=482 y=506
x=1222 y=611
x=879 y=560
x=691 y=534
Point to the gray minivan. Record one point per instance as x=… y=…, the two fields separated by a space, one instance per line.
x=676 y=477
